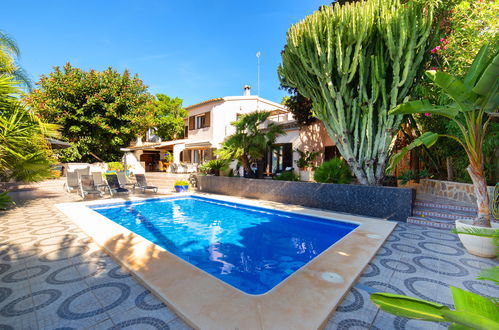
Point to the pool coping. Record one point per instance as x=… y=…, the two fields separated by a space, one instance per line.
x=305 y=300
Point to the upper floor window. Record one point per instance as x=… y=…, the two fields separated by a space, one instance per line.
x=200 y=120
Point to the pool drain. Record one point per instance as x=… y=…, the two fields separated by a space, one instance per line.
x=332 y=277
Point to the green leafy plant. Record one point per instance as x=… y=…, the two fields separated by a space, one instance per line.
x=5 y=200
x=24 y=152
x=251 y=141
x=472 y=310
x=181 y=183
x=409 y=175
x=307 y=158
x=168 y=157
x=99 y=112
x=355 y=61
x=333 y=171
x=170 y=115
x=214 y=166
x=287 y=176
x=115 y=166
x=475 y=102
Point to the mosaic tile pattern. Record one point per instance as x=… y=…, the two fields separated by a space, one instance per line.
x=53 y=277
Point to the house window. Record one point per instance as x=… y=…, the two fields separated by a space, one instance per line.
x=200 y=120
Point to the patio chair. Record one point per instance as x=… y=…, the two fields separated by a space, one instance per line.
x=87 y=186
x=83 y=171
x=142 y=183
x=71 y=182
x=99 y=181
x=114 y=185
x=123 y=180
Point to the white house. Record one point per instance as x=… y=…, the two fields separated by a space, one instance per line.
x=208 y=125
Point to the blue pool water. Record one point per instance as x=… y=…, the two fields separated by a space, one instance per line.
x=253 y=249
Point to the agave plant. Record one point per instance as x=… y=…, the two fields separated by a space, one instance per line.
x=476 y=102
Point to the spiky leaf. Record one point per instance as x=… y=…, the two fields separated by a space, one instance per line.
x=423 y=106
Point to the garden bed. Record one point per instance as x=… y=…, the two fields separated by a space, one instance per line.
x=374 y=201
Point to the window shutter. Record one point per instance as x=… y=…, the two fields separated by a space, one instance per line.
x=192 y=122
x=207 y=121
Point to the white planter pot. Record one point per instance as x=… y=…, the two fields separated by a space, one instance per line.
x=306 y=175
x=479 y=246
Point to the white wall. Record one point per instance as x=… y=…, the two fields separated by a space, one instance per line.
x=223 y=113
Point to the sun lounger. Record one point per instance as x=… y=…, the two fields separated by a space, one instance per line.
x=124 y=182
x=87 y=186
x=71 y=182
x=99 y=181
x=114 y=185
x=83 y=171
x=142 y=183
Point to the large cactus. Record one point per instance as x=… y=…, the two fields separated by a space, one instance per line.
x=356 y=62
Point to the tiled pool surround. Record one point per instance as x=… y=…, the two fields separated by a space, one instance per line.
x=304 y=300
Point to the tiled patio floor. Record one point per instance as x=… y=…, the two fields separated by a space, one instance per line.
x=53 y=277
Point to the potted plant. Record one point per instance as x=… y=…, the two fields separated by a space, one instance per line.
x=306 y=164
x=113 y=167
x=181 y=186
x=476 y=101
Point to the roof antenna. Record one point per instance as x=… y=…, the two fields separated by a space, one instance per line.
x=258 y=56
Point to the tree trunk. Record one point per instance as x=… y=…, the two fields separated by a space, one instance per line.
x=450 y=169
x=482 y=196
x=247 y=166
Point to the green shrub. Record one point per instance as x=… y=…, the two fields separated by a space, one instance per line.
x=214 y=166
x=5 y=200
x=333 y=171
x=287 y=176
x=115 y=166
x=181 y=183
x=306 y=159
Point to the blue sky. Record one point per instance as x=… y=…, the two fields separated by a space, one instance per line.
x=195 y=50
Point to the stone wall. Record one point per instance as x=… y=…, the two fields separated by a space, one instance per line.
x=461 y=192
x=381 y=202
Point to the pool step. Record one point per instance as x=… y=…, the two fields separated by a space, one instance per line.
x=435 y=223
x=439 y=212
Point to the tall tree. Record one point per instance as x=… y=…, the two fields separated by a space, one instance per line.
x=9 y=52
x=475 y=102
x=170 y=117
x=355 y=62
x=251 y=141
x=99 y=112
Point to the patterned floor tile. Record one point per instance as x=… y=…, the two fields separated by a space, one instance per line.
x=53 y=276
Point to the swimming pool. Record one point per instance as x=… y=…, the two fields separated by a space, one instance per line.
x=250 y=248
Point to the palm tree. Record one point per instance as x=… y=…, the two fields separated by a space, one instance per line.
x=24 y=153
x=476 y=102
x=251 y=141
x=9 y=52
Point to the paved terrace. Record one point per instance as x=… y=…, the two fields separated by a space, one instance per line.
x=52 y=276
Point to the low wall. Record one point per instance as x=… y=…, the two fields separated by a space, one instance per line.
x=461 y=192
x=381 y=202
